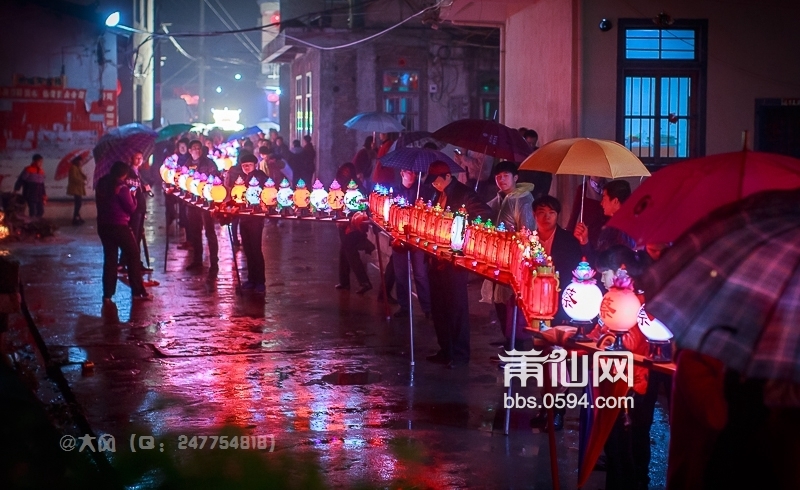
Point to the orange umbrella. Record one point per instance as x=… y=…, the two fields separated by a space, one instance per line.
x=586 y=156
x=62 y=170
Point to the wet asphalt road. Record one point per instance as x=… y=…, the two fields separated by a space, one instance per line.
x=319 y=370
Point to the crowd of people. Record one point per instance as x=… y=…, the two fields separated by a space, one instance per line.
x=522 y=200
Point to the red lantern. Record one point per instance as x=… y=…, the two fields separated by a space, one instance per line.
x=542 y=294
x=471 y=240
x=505 y=244
x=443 y=229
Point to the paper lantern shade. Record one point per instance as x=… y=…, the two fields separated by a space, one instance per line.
x=237 y=192
x=619 y=309
x=319 y=198
x=269 y=196
x=219 y=193
x=581 y=301
x=458 y=230
x=387 y=206
x=543 y=296
x=353 y=199
x=253 y=194
x=652 y=328
x=302 y=197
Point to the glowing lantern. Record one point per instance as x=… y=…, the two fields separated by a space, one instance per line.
x=218 y=191
x=336 y=197
x=505 y=247
x=444 y=227
x=353 y=198
x=658 y=337
x=416 y=216
x=387 y=205
x=172 y=174
x=652 y=328
x=238 y=190
x=191 y=183
x=319 y=198
x=581 y=299
x=458 y=230
x=198 y=185
x=182 y=179
x=285 y=195
x=302 y=198
x=163 y=171
x=269 y=195
x=253 y=193
x=207 y=188
x=542 y=294
x=620 y=307
x=431 y=222
x=473 y=236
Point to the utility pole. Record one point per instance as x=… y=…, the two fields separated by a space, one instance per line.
x=201 y=103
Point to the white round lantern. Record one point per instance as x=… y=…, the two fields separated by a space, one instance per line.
x=353 y=197
x=581 y=300
x=652 y=328
x=458 y=230
x=319 y=197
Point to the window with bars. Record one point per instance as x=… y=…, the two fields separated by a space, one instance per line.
x=401 y=97
x=309 y=113
x=661 y=90
x=298 y=107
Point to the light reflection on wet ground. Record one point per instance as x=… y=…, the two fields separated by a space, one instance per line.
x=317 y=368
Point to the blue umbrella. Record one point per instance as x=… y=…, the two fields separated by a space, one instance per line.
x=375 y=122
x=417 y=159
x=244 y=133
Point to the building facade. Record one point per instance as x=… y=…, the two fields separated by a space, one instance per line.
x=426 y=77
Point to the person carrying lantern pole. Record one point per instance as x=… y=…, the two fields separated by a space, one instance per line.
x=199 y=219
x=448 y=284
x=251 y=228
x=511 y=207
x=407 y=189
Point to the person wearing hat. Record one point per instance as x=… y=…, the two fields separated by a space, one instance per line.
x=448 y=284
x=198 y=219
x=512 y=206
x=251 y=228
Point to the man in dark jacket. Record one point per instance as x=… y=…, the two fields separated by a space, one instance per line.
x=448 y=284
x=115 y=204
x=31 y=181
x=251 y=228
x=199 y=219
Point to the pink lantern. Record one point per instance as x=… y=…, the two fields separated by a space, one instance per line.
x=620 y=308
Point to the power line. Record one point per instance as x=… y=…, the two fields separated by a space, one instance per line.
x=236 y=25
x=237 y=35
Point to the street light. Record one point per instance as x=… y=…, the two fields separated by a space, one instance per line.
x=113 y=21
x=219 y=90
x=238 y=76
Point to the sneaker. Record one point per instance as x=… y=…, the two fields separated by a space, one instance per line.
x=143 y=297
x=364 y=288
x=151 y=283
x=260 y=288
x=343 y=286
x=194 y=266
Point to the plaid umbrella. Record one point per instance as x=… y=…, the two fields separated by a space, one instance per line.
x=487 y=137
x=417 y=159
x=120 y=144
x=375 y=122
x=416 y=139
x=729 y=288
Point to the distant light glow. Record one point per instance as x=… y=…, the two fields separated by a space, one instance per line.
x=219 y=90
x=278 y=91
x=238 y=76
x=227 y=119
x=112 y=20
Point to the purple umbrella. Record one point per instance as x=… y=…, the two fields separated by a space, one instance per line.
x=416 y=139
x=120 y=144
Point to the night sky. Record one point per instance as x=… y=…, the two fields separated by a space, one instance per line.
x=231 y=56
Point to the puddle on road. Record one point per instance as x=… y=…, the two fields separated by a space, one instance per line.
x=362 y=378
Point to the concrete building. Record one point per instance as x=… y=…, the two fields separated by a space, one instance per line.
x=58 y=86
x=424 y=73
x=669 y=79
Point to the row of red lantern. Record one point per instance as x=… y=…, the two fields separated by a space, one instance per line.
x=484 y=246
